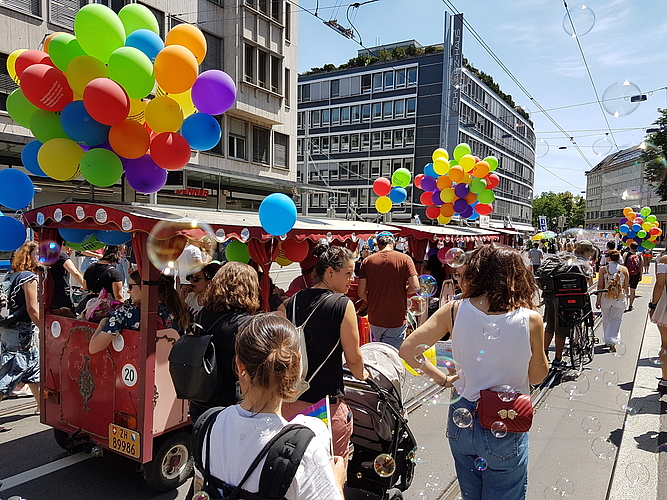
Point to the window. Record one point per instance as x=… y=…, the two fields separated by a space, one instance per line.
x=411 y=105
x=286 y=91
x=288 y=21
x=400 y=78
x=280 y=150
x=386 y=167
x=377 y=111
x=275 y=9
x=412 y=77
x=356 y=115
x=61 y=12
x=237 y=139
x=251 y=3
x=399 y=108
x=315 y=145
x=299 y=119
x=388 y=80
x=365 y=141
x=376 y=138
x=315 y=118
x=377 y=82
x=335 y=88
x=299 y=147
x=275 y=74
x=354 y=142
x=344 y=143
x=352 y=171
x=363 y=197
x=7 y=85
x=28 y=6
x=213 y=59
x=365 y=83
x=363 y=168
x=264 y=6
x=218 y=149
x=262 y=61
x=334 y=144
x=345 y=115
x=249 y=66
x=326 y=117
x=386 y=139
x=409 y=137
x=260 y=145
x=388 y=111
x=324 y=144
x=366 y=112
x=335 y=116
x=375 y=168
x=344 y=171
x=398 y=138
x=159 y=15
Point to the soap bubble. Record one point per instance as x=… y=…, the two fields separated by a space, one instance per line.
x=621 y=349
x=578 y=21
x=384 y=465
x=577 y=387
x=462 y=417
x=603 y=448
x=591 y=425
x=417 y=305
x=200 y=495
x=167 y=240
x=499 y=429
x=506 y=393
x=480 y=463
x=541 y=148
x=597 y=377
x=617 y=99
x=654 y=355
x=419 y=355
x=602 y=147
x=359 y=475
x=427 y=286
x=637 y=473
x=610 y=378
x=49 y=252
x=455 y=257
x=416 y=455
x=422 y=495
x=552 y=493
x=491 y=331
x=267 y=425
x=565 y=486
x=622 y=400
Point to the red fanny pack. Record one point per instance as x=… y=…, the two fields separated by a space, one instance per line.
x=516 y=415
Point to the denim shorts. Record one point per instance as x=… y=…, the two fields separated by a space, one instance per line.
x=19 y=357
x=488 y=466
x=392 y=336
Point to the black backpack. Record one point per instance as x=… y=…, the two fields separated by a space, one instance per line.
x=283 y=455
x=555 y=265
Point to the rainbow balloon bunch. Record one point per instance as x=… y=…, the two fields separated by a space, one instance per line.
x=460 y=186
x=641 y=228
x=391 y=191
x=88 y=99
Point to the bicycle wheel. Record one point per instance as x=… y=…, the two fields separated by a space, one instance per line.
x=577 y=343
x=588 y=345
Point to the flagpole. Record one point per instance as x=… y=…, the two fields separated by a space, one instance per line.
x=329 y=417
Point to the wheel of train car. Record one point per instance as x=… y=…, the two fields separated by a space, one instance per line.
x=393 y=494
x=172 y=463
x=62 y=438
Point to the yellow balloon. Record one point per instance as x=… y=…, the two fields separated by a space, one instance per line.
x=447 y=195
x=163 y=114
x=440 y=153
x=444 y=220
x=282 y=261
x=467 y=162
x=383 y=204
x=185 y=100
x=441 y=166
x=59 y=159
x=11 y=61
x=646 y=226
x=82 y=70
x=137 y=110
x=466 y=178
x=428 y=354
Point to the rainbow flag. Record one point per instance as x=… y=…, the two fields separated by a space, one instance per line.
x=318 y=410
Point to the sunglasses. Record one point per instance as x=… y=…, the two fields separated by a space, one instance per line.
x=194 y=279
x=132 y=285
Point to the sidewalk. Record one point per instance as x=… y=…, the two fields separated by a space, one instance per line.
x=640 y=471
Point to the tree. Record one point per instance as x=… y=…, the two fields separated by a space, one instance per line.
x=655 y=169
x=552 y=205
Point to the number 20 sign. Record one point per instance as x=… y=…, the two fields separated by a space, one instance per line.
x=129 y=375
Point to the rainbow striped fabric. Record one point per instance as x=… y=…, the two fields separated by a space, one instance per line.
x=318 y=410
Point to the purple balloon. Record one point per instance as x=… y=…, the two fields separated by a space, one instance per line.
x=461 y=190
x=467 y=212
x=460 y=205
x=144 y=175
x=624 y=220
x=436 y=198
x=214 y=92
x=429 y=183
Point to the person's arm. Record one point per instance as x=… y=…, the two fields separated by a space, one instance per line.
x=349 y=339
x=71 y=268
x=538 y=367
x=117 y=287
x=281 y=311
x=31 y=303
x=100 y=339
x=660 y=280
x=598 y=301
x=197 y=483
x=626 y=286
x=428 y=334
x=340 y=473
x=413 y=284
x=361 y=289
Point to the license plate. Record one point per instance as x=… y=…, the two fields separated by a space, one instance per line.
x=125 y=441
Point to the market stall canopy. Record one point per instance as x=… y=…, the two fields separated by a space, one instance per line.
x=446 y=233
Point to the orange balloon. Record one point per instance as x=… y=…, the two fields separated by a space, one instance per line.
x=447 y=210
x=481 y=169
x=631 y=215
x=48 y=39
x=190 y=37
x=627 y=210
x=129 y=139
x=456 y=173
x=175 y=69
x=444 y=182
x=471 y=198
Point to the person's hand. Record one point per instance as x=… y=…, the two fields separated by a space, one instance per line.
x=340 y=471
x=650 y=313
x=598 y=305
x=365 y=375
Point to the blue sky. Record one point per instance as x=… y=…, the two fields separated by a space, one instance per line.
x=627 y=42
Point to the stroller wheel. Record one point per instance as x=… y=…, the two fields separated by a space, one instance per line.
x=393 y=494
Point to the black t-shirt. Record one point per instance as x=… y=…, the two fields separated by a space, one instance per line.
x=99 y=276
x=61 y=290
x=322 y=333
x=17 y=295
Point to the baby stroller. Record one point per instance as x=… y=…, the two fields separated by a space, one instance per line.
x=384 y=448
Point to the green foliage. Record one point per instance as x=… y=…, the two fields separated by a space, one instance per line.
x=398 y=53
x=655 y=169
x=553 y=205
x=384 y=55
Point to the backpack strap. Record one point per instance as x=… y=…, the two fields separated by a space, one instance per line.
x=319 y=303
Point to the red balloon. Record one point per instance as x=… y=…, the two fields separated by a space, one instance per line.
x=170 y=151
x=418 y=180
x=484 y=208
x=30 y=57
x=382 y=186
x=426 y=198
x=46 y=87
x=432 y=212
x=492 y=180
x=106 y=101
x=294 y=250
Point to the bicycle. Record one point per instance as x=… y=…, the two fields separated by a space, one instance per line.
x=575 y=313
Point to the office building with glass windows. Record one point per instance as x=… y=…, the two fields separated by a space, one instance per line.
x=358 y=123
x=254 y=41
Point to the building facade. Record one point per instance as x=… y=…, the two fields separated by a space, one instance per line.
x=356 y=124
x=254 y=41
x=618 y=182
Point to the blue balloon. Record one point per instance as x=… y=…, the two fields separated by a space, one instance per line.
x=474 y=215
x=75 y=235
x=428 y=170
x=398 y=194
x=146 y=41
x=277 y=214
x=16 y=189
x=636 y=227
x=81 y=127
x=114 y=238
x=201 y=130
x=623 y=228
x=13 y=234
x=631 y=234
x=640 y=249
x=29 y=158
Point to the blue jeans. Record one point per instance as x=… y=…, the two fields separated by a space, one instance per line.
x=506 y=473
x=391 y=336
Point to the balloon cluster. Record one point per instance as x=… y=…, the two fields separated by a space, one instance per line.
x=114 y=97
x=462 y=185
x=641 y=228
x=391 y=191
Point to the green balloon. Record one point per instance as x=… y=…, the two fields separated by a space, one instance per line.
x=237 y=252
x=641 y=234
x=486 y=196
x=99 y=31
x=492 y=161
x=101 y=167
x=649 y=244
x=20 y=109
x=651 y=218
x=63 y=48
x=135 y=17
x=461 y=150
x=477 y=185
x=132 y=70
x=45 y=125
x=645 y=212
x=401 y=177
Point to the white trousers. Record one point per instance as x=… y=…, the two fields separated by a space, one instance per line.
x=612 y=315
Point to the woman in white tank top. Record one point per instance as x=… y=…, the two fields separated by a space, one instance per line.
x=615 y=278
x=497 y=340
x=658 y=313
